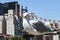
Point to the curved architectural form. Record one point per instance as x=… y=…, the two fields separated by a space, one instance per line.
x=34 y=27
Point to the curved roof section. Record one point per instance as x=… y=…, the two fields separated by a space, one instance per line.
x=40 y=27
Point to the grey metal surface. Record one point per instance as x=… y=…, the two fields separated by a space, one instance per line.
x=39 y=26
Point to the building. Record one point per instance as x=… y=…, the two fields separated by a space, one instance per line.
x=10 y=19
x=11 y=23
x=38 y=29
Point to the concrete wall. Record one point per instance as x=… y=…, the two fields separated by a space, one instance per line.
x=1 y=19
x=56 y=37
x=10 y=24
